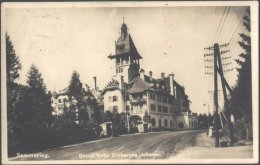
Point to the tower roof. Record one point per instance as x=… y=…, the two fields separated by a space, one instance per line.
x=125 y=45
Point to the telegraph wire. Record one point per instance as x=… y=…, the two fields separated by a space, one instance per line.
x=217 y=32
x=221 y=36
x=212 y=23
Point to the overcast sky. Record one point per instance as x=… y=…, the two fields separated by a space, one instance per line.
x=170 y=40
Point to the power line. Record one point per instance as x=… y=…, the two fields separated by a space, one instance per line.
x=224 y=23
x=240 y=22
x=220 y=24
x=212 y=22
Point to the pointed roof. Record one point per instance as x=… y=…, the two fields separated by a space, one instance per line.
x=125 y=45
x=112 y=85
x=138 y=85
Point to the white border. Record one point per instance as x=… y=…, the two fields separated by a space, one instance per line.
x=255 y=73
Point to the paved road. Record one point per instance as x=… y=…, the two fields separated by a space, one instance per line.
x=155 y=145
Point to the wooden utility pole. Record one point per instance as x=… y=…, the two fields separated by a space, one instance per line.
x=216 y=121
x=218 y=69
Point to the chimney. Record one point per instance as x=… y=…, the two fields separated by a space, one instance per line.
x=162 y=75
x=171 y=76
x=142 y=73
x=95 y=82
x=122 y=82
x=151 y=75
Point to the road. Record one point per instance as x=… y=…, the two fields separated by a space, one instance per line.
x=154 y=145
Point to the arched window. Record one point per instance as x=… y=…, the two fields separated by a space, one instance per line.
x=165 y=123
x=153 y=122
x=170 y=123
x=160 y=123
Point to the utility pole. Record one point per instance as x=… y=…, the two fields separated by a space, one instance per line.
x=216 y=123
x=218 y=69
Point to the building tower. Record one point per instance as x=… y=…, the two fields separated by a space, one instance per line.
x=126 y=56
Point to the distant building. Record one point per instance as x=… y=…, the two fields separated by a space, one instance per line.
x=61 y=102
x=131 y=90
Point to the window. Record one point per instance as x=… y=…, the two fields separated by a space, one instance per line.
x=59 y=100
x=170 y=123
x=165 y=99
x=159 y=108
x=170 y=101
x=121 y=69
x=165 y=109
x=152 y=96
x=160 y=123
x=165 y=123
x=153 y=122
x=153 y=107
x=170 y=110
x=114 y=98
x=158 y=98
x=115 y=109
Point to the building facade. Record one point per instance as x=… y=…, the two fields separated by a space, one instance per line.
x=62 y=103
x=162 y=99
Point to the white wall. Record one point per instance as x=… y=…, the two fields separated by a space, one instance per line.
x=189 y=122
x=160 y=115
x=108 y=105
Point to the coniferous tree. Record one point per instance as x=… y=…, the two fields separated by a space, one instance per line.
x=40 y=105
x=14 y=92
x=241 y=100
x=75 y=86
x=243 y=90
x=76 y=91
x=13 y=64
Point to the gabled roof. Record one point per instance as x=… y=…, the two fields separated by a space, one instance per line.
x=63 y=91
x=125 y=47
x=112 y=85
x=138 y=85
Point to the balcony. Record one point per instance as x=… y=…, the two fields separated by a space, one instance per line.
x=139 y=101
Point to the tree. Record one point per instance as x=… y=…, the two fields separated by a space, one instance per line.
x=243 y=88
x=108 y=116
x=200 y=121
x=75 y=86
x=13 y=64
x=40 y=103
x=75 y=90
x=14 y=93
x=241 y=99
x=97 y=116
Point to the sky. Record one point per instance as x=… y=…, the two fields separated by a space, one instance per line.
x=170 y=40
